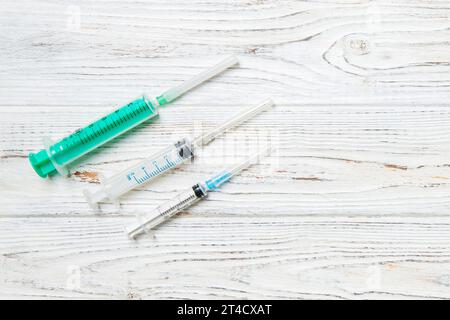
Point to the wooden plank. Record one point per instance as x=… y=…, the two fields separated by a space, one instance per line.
x=383 y=160
x=196 y=257
x=296 y=51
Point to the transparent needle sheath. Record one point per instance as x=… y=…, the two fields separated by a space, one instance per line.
x=187 y=198
x=167 y=159
x=58 y=155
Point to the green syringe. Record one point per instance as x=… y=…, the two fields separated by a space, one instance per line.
x=57 y=156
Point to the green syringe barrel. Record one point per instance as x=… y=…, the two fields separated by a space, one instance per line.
x=56 y=156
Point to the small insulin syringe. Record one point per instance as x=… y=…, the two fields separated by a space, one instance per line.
x=58 y=155
x=187 y=198
x=163 y=161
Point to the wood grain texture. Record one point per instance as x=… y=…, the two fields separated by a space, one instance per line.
x=358 y=189
x=235 y=257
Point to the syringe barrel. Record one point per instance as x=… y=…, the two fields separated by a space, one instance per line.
x=141 y=173
x=57 y=156
x=163 y=212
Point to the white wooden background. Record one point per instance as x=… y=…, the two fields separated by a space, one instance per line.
x=356 y=206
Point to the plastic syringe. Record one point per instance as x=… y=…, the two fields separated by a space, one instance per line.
x=58 y=155
x=167 y=159
x=187 y=198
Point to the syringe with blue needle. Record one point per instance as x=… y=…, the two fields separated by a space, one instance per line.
x=56 y=156
x=188 y=197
